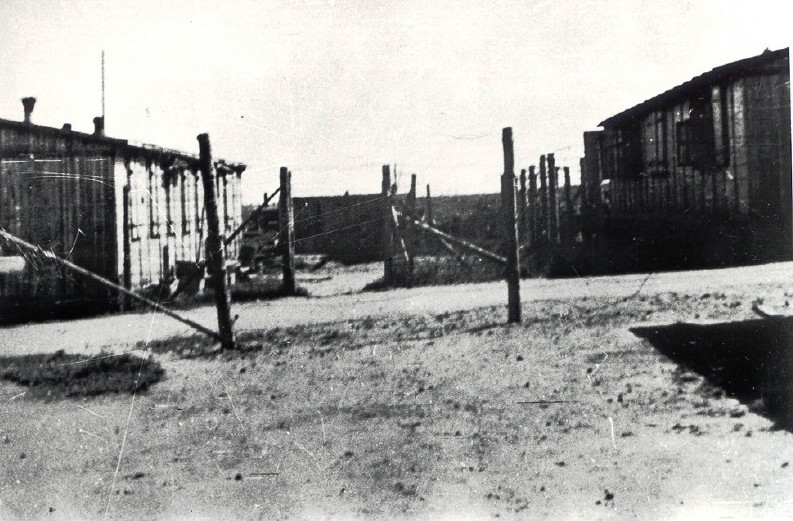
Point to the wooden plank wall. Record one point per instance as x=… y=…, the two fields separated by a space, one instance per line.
x=62 y=203
x=166 y=211
x=714 y=190
x=63 y=191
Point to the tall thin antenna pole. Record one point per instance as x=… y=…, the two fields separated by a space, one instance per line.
x=103 y=85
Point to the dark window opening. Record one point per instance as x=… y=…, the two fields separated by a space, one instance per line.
x=695 y=135
x=187 y=203
x=154 y=202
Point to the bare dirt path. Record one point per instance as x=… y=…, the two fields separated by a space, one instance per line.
x=91 y=334
x=628 y=397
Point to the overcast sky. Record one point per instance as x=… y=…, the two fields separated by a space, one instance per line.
x=334 y=89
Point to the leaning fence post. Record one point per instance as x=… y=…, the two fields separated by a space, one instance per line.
x=388 y=231
x=214 y=244
x=286 y=218
x=508 y=206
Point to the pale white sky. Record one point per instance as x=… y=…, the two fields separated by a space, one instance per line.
x=333 y=89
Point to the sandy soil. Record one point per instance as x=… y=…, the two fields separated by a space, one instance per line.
x=632 y=397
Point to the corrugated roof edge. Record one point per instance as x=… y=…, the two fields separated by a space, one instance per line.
x=740 y=67
x=116 y=142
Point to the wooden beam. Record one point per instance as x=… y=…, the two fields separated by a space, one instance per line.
x=409 y=235
x=553 y=207
x=214 y=246
x=399 y=239
x=428 y=216
x=109 y=284
x=523 y=209
x=533 y=213
x=508 y=206
x=286 y=218
x=387 y=230
x=542 y=229
x=460 y=242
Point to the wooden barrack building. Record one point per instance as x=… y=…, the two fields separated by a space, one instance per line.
x=703 y=168
x=130 y=213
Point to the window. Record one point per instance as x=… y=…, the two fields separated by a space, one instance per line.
x=154 y=204
x=228 y=204
x=695 y=135
x=170 y=179
x=721 y=134
x=623 y=152
x=654 y=142
x=186 y=200
x=198 y=201
x=136 y=200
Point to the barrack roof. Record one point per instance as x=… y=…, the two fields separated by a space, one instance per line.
x=729 y=71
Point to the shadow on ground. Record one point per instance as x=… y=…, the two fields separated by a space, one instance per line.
x=750 y=360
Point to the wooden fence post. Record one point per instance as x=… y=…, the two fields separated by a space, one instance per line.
x=286 y=218
x=508 y=206
x=388 y=230
x=542 y=229
x=127 y=260
x=214 y=244
x=568 y=203
x=429 y=218
x=410 y=205
x=532 y=206
x=553 y=206
x=523 y=209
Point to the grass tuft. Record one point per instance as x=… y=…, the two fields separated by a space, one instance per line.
x=66 y=375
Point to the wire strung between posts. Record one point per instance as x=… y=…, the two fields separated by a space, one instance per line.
x=101 y=280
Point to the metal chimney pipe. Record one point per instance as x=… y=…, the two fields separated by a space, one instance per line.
x=99 y=126
x=28 y=104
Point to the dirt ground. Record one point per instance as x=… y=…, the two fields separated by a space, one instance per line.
x=658 y=396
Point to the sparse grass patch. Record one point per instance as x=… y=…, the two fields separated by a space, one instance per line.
x=443 y=270
x=66 y=375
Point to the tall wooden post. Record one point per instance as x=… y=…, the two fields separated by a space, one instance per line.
x=508 y=207
x=542 y=229
x=429 y=218
x=553 y=206
x=126 y=237
x=568 y=203
x=410 y=237
x=286 y=221
x=214 y=244
x=523 y=209
x=532 y=206
x=388 y=229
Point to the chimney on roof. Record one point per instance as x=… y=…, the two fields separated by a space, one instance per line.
x=99 y=126
x=28 y=104
x=67 y=127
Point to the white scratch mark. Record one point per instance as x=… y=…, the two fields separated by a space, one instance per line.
x=299 y=446
x=17 y=396
x=613 y=440
x=81 y=431
x=120 y=454
x=322 y=422
x=92 y=412
x=659 y=442
x=234 y=408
